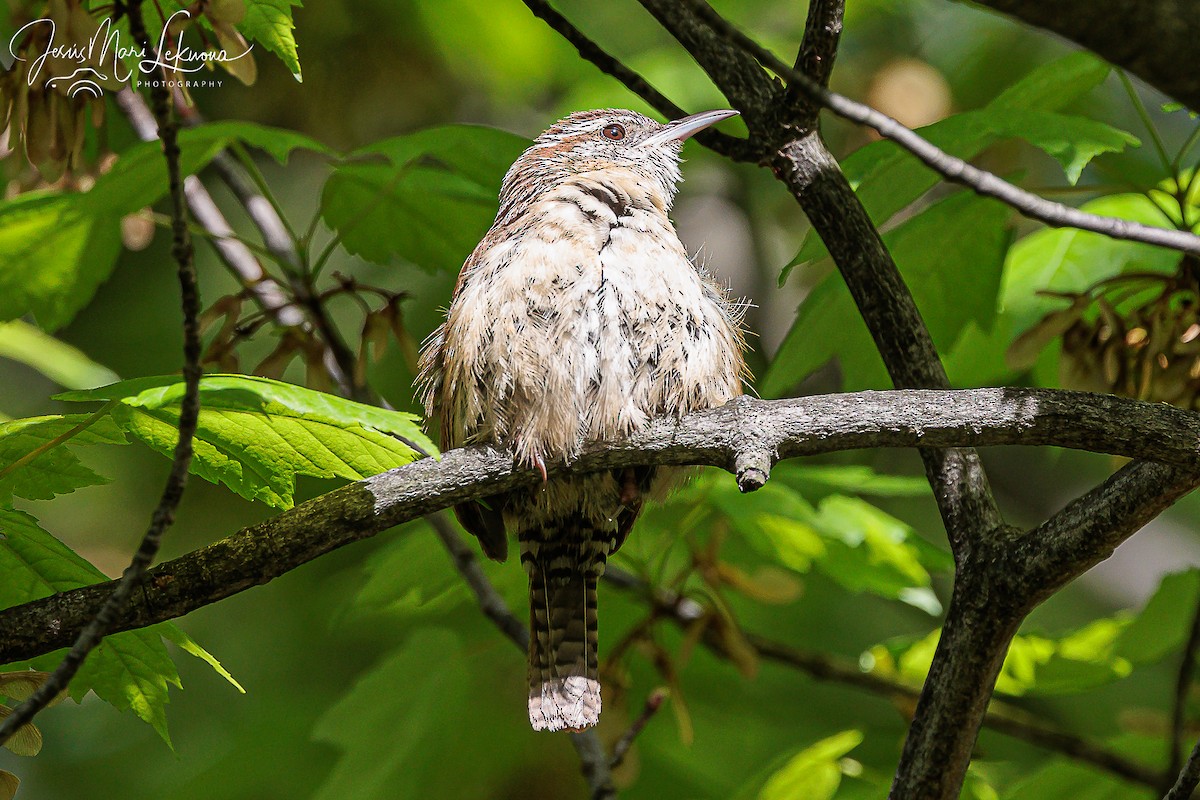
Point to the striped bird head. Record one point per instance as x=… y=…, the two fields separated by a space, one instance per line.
x=604 y=140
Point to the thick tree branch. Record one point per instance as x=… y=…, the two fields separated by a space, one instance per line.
x=723 y=143
x=1150 y=38
x=818 y=49
x=950 y=167
x=815 y=179
x=730 y=437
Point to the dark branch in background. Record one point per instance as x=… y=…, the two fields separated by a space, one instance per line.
x=1150 y=38
x=109 y=611
x=819 y=666
x=1183 y=685
x=587 y=744
x=726 y=145
x=736 y=434
x=269 y=295
x=950 y=167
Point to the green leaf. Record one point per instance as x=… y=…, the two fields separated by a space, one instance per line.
x=1062 y=776
x=854 y=478
x=60 y=362
x=1070 y=140
x=853 y=543
x=960 y=236
x=56 y=249
x=173 y=633
x=54 y=254
x=1055 y=84
x=427 y=198
x=815 y=772
x=57 y=470
x=887 y=178
x=270 y=23
x=1070 y=260
x=424 y=697
x=256 y=435
x=130 y=670
x=1162 y=626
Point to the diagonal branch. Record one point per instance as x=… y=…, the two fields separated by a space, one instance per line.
x=745 y=436
x=731 y=146
x=952 y=168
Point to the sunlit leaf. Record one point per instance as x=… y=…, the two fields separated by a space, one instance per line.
x=269 y=22
x=255 y=435
x=815 y=772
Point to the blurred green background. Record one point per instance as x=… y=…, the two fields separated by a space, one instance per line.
x=370 y=673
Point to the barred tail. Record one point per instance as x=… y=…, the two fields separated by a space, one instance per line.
x=563 y=563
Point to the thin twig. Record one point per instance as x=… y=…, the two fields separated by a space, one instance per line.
x=1183 y=685
x=820 y=666
x=654 y=702
x=164 y=513
x=730 y=146
x=952 y=168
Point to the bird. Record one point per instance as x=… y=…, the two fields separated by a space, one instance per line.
x=579 y=318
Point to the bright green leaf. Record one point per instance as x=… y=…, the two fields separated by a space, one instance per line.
x=57 y=470
x=256 y=435
x=815 y=772
x=270 y=23
x=56 y=249
x=130 y=670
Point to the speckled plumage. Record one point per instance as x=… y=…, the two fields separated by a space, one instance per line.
x=579 y=317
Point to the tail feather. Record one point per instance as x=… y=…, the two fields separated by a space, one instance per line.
x=564 y=563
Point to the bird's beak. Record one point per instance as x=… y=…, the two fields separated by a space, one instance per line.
x=687 y=127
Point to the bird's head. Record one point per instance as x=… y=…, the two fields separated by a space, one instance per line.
x=605 y=141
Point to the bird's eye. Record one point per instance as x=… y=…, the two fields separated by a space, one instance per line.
x=614 y=133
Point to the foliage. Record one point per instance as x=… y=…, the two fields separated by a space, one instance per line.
x=372 y=673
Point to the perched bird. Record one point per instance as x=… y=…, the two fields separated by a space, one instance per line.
x=579 y=317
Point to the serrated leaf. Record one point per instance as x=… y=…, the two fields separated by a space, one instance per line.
x=962 y=235
x=427 y=198
x=1161 y=627
x=418 y=684
x=270 y=23
x=1054 y=84
x=57 y=470
x=853 y=543
x=173 y=633
x=256 y=435
x=130 y=670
